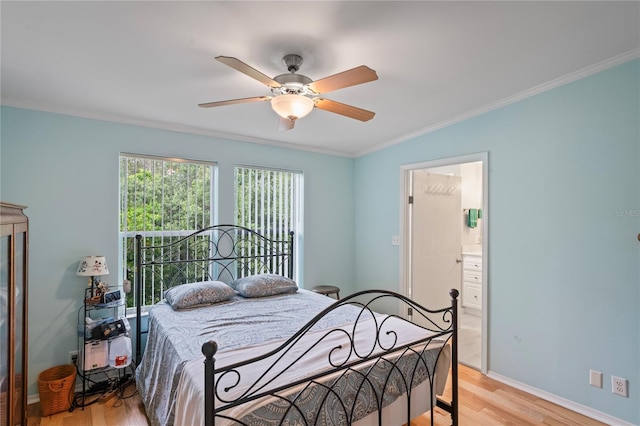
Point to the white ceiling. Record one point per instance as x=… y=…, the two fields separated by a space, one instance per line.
x=151 y=63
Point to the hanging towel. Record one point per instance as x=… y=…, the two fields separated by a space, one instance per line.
x=472 y=220
x=479 y=213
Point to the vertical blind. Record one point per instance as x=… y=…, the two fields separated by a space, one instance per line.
x=267 y=201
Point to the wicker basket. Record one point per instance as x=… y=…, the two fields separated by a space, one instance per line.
x=55 y=386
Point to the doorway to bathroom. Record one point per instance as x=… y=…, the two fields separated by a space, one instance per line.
x=444 y=229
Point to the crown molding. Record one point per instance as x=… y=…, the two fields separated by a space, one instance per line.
x=172 y=127
x=536 y=90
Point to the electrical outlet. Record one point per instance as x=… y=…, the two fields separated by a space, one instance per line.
x=619 y=386
x=73 y=357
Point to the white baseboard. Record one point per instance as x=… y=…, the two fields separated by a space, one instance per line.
x=32 y=399
x=563 y=402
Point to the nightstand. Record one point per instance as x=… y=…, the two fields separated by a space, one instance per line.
x=327 y=290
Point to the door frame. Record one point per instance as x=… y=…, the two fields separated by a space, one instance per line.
x=405 y=246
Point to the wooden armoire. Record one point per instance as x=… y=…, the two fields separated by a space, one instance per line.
x=14 y=254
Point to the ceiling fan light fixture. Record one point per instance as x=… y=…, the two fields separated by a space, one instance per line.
x=292 y=107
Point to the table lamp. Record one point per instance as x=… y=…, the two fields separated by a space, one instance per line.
x=93 y=267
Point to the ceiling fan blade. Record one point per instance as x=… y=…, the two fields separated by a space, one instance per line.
x=285 y=124
x=234 y=101
x=344 y=109
x=238 y=65
x=358 y=75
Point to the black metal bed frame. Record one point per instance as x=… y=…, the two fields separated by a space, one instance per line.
x=234 y=251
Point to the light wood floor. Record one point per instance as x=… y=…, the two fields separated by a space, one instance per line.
x=483 y=402
x=486 y=402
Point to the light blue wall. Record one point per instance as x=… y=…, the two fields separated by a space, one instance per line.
x=65 y=169
x=564 y=260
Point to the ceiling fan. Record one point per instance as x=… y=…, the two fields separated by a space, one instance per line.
x=295 y=95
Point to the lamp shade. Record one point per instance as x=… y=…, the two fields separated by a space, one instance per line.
x=93 y=266
x=292 y=106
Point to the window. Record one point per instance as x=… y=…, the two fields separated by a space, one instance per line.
x=161 y=199
x=270 y=202
x=165 y=199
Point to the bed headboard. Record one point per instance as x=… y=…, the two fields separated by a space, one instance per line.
x=219 y=252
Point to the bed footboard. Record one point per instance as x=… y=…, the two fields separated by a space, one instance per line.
x=342 y=375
